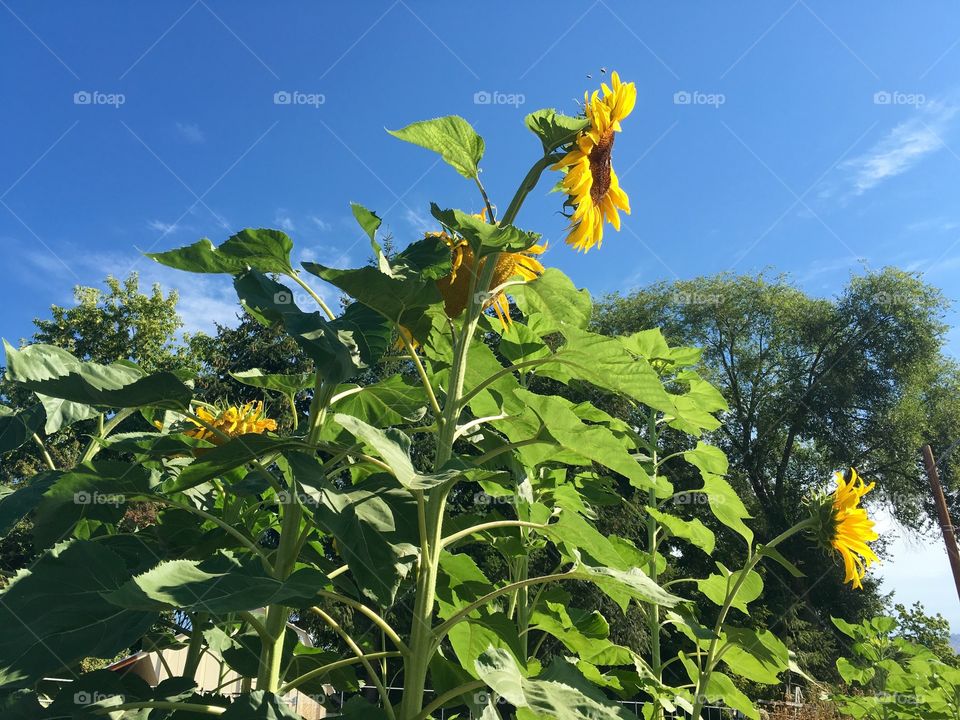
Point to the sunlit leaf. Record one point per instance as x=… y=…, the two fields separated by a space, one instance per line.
x=452 y=137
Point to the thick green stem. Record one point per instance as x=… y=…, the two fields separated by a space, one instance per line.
x=653 y=613
x=528 y=184
x=195 y=647
x=711 y=658
x=43 y=452
x=103 y=431
x=433 y=506
x=330 y=667
x=163 y=705
x=271 y=656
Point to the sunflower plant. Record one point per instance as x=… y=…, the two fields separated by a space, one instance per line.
x=365 y=514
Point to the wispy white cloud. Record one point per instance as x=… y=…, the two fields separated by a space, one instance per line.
x=819 y=268
x=419 y=222
x=321 y=224
x=901 y=148
x=205 y=300
x=162 y=227
x=932 y=225
x=191 y=132
x=284 y=221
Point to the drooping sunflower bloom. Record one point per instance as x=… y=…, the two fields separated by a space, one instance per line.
x=233 y=421
x=590 y=183
x=842 y=525
x=455 y=287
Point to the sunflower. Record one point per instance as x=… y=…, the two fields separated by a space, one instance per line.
x=455 y=287
x=590 y=183
x=844 y=526
x=233 y=421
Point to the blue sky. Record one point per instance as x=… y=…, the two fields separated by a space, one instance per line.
x=811 y=137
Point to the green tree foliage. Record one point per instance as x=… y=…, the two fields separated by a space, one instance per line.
x=813 y=385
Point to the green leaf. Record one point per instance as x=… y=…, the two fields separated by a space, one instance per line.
x=591 y=442
x=307 y=659
x=552 y=302
x=460 y=582
x=725 y=504
x=287 y=384
x=393 y=401
x=18 y=428
x=718 y=586
x=259 y=249
x=393 y=447
x=368 y=220
x=554 y=129
x=756 y=655
x=451 y=136
x=582 y=632
x=694 y=530
x=92 y=491
x=605 y=363
x=339 y=347
x=400 y=296
x=851 y=673
x=561 y=694
x=720 y=687
x=634 y=582
x=375 y=526
x=472 y=638
x=63 y=413
x=239 y=451
x=220 y=584
x=779 y=558
x=55 y=614
x=242 y=652
x=53 y=371
x=155 y=444
x=16 y=505
x=259 y=705
x=519 y=343
x=485 y=238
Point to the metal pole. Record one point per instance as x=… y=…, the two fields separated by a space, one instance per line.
x=946 y=525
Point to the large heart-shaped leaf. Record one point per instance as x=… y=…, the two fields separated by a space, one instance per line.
x=452 y=137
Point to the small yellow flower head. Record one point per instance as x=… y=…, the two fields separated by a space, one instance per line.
x=843 y=525
x=233 y=421
x=591 y=185
x=455 y=287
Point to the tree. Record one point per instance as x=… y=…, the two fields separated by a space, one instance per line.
x=104 y=326
x=122 y=323
x=815 y=384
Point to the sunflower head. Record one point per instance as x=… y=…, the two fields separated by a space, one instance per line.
x=455 y=287
x=233 y=421
x=592 y=187
x=841 y=525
